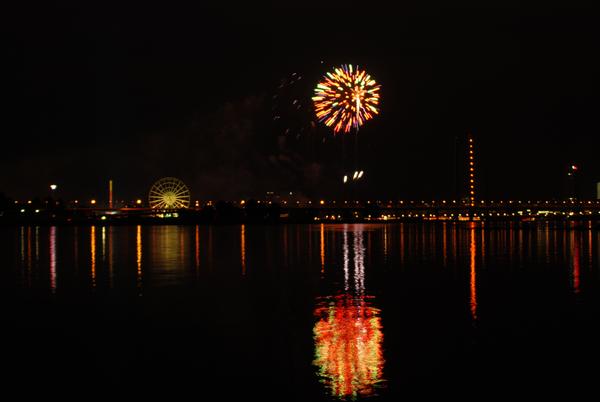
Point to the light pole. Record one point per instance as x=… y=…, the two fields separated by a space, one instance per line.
x=572 y=181
x=53 y=188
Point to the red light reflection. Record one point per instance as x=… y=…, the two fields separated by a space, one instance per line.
x=348 y=339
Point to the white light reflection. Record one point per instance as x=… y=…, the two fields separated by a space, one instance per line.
x=346 y=261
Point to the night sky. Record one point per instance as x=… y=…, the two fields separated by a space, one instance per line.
x=136 y=93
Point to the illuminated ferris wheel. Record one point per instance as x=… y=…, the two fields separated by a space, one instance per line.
x=169 y=193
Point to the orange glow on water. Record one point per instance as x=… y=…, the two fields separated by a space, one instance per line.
x=138 y=252
x=348 y=338
x=243 y=248
x=103 y=238
x=322 y=248
x=93 y=254
x=473 y=273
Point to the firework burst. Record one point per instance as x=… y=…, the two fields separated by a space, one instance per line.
x=346 y=98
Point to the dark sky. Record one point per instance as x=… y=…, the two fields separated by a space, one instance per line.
x=136 y=93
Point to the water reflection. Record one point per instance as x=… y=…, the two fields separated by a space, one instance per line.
x=385 y=243
x=473 y=271
x=359 y=263
x=103 y=239
x=322 y=238
x=346 y=252
x=454 y=243
x=348 y=333
x=243 y=248
x=166 y=255
x=53 y=259
x=402 y=244
x=575 y=261
x=483 y=232
x=37 y=244
x=138 y=258
x=444 y=245
x=22 y=244
x=501 y=279
x=93 y=255
x=26 y=255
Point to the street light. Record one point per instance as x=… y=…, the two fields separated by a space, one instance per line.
x=51 y=196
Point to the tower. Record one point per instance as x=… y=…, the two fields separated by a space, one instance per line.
x=471 y=183
x=110 y=194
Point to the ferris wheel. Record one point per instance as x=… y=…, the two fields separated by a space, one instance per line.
x=169 y=193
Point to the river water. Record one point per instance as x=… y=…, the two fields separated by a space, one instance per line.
x=300 y=312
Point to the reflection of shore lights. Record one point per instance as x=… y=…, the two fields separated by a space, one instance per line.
x=473 y=272
x=243 y=248
x=345 y=178
x=348 y=340
x=360 y=174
